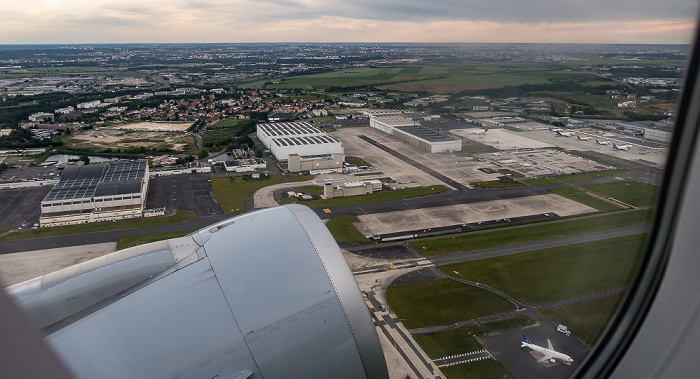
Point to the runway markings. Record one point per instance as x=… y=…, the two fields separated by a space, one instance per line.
x=619 y=178
x=391 y=266
x=326 y=210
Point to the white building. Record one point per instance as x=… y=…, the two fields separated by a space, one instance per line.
x=302 y=138
x=89 y=104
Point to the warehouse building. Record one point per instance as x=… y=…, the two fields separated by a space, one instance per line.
x=364 y=187
x=110 y=192
x=302 y=139
x=409 y=129
x=297 y=163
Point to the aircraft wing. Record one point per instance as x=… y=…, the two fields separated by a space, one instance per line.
x=549 y=344
x=266 y=294
x=545 y=358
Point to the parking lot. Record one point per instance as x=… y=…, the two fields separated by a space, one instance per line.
x=192 y=192
x=21 y=206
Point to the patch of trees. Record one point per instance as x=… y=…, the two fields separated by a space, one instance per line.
x=22 y=138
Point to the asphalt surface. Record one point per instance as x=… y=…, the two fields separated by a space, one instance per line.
x=21 y=205
x=192 y=192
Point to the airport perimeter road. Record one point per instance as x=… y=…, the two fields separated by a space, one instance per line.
x=473 y=255
x=103 y=236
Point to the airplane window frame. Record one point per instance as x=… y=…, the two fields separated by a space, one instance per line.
x=621 y=331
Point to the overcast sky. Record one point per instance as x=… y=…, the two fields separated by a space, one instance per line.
x=555 y=21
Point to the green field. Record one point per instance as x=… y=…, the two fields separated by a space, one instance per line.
x=125 y=242
x=538 y=181
x=474 y=241
x=595 y=202
x=633 y=193
x=458 y=341
x=180 y=216
x=356 y=161
x=343 y=230
x=297 y=178
x=226 y=123
x=487 y=368
x=587 y=175
x=371 y=198
x=498 y=184
x=231 y=194
x=550 y=275
x=442 y=302
x=587 y=320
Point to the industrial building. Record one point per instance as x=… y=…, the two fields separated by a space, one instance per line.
x=409 y=129
x=297 y=163
x=245 y=165
x=109 y=192
x=300 y=138
x=351 y=188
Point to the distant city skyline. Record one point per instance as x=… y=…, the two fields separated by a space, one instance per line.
x=193 y=21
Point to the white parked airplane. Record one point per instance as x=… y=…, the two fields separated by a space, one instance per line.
x=564 y=134
x=602 y=143
x=621 y=147
x=583 y=138
x=556 y=130
x=549 y=353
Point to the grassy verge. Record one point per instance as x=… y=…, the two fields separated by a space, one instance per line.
x=633 y=193
x=356 y=161
x=587 y=320
x=5 y=229
x=497 y=184
x=594 y=202
x=125 y=242
x=538 y=181
x=442 y=302
x=459 y=341
x=488 y=368
x=531 y=233
x=296 y=178
x=180 y=216
x=511 y=173
x=550 y=275
x=231 y=194
x=373 y=198
x=343 y=230
x=587 y=175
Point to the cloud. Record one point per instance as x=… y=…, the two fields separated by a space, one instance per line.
x=80 y=21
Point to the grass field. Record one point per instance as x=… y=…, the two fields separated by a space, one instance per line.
x=372 y=198
x=356 y=161
x=587 y=320
x=633 y=193
x=497 y=184
x=180 y=216
x=442 y=302
x=125 y=242
x=594 y=202
x=226 y=123
x=485 y=369
x=550 y=275
x=538 y=181
x=297 y=178
x=531 y=233
x=587 y=175
x=343 y=230
x=441 y=344
x=231 y=195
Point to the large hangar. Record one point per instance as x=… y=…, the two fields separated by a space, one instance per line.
x=300 y=138
x=114 y=191
x=410 y=130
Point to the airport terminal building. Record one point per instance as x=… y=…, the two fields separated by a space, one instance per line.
x=410 y=130
x=302 y=139
x=93 y=193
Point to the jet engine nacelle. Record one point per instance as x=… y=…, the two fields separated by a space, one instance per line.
x=264 y=295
